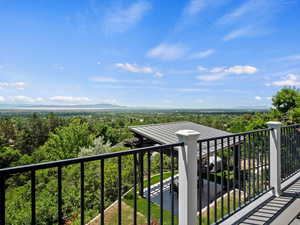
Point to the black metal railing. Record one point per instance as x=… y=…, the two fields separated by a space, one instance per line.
x=290 y=150
x=233 y=170
x=163 y=150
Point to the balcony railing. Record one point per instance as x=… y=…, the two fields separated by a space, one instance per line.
x=217 y=176
x=290 y=155
x=239 y=169
x=59 y=165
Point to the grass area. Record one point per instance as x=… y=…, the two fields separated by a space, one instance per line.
x=156 y=178
x=111 y=216
x=227 y=208
x=142 y=209
x=142 y=203
x=228 y=174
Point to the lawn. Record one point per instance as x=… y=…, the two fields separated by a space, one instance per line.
x=111 y=215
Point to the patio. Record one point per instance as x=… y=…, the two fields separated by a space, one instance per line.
x=155 y=194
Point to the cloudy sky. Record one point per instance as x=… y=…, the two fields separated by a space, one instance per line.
x=191 y=53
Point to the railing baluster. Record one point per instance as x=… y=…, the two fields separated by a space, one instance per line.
x=215 y=158
x=253 y=164
x=258 y=162
x=244 y=170
x=239 y=169
x=200 y=183
x=172 y=185
x=268 y=157
x=82 y=193
x=234 y=173
x=228 y=174
x=208 y=184
x=2 y=199
x=59 y=196
x=102 y=192
x=149 y=186
x=249 y=166
x=33 y=207
x=141 y=161
x=265 y=151
x=222 y=177
x=161 y=187
x=134 y=190
x=119 y=190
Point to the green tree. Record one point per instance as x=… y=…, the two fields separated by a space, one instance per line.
x=67 y=141
x=286 y=99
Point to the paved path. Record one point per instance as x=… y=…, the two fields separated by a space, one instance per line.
x=155 y=194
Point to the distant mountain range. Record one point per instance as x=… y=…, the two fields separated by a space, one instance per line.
x=28 y=106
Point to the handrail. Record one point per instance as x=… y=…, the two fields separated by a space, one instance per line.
x=234 y=135
x=64 y=162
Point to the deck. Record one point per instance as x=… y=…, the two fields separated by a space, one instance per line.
x=282 y=210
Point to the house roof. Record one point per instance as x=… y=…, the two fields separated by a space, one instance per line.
x=165 y=133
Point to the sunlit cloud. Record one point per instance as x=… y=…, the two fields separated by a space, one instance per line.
x=203 y=54
x=219 y=73
x=14 y=85
x=167 y=52
x=121 y=18
x=288 y=80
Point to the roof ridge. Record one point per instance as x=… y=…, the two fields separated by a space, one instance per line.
x=159 y=124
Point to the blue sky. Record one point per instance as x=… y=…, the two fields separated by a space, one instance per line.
x=189 y=54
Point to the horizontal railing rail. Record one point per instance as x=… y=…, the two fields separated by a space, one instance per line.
x=290 y=150
x=138 y=177
x=233 y=170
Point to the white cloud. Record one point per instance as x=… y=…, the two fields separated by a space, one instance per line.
x=167 y=52
x=217 y=69
x=59 y=67
x=242 y=70
x=16 y=85
x=105 y=79
x=158 y=75
x=2 y=99
x=190 y=89
x=259 y=98
x=70 y=99
x=218 y=73
x=295 y=57
x=199 y=101
x=194 y=6
x=212 y=77
x=203 y=54
x=251 y=6
x=120 y=19
x=289 y=80
x=25 y=99
x=241 y=32
x=134 y=68
x=202 y=69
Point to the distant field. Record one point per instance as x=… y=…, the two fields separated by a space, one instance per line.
x=69 y=111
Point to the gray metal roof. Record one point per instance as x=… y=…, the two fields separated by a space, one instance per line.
x=165 y=133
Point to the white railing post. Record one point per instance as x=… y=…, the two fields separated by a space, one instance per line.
x=275 y=159
x=187 y=163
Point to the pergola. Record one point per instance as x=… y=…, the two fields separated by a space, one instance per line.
x=164 y=133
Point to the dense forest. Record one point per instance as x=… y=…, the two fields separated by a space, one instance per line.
x=46 y=137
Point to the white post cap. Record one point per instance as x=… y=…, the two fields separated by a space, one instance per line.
x=274 y=124
x=187 y=133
